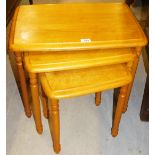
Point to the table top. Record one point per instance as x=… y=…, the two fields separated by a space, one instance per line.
x=37 y=62
x=74 y=26
x=71 y=83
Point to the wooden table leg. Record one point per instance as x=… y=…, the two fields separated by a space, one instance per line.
x=44 y=103
x=23 y=85
x=119 y=109
x=54 y=124
x=98 y=98
x=35 y=102
x=133 y=71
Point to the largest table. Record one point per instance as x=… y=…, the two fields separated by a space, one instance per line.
x=72 y=27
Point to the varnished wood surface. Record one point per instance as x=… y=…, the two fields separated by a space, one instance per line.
x=133 y=69
x=36 y=103
x=64 y=60
x=22 y=80
x=98 y=98
x=119 y=110
x=53 y=27
x=54 y=124
x=44 y=104
x=71 y=83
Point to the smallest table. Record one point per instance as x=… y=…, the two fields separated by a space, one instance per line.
x=76 y=82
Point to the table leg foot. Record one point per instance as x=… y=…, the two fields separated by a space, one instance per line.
x=54 y=124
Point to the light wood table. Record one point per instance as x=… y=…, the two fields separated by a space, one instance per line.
x=54 y=28
x=76 y=82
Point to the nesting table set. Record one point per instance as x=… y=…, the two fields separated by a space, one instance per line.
x=74 y=49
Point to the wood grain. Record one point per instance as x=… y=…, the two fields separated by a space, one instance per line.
x=44 y=103
x=54 y=124
x=98 y=98
x=133 y=72
x=71 y=83
x=119 y=110
x=87 y=46
x=22 y=80
x=53 y=27
x=35 y=102
x=65 y=60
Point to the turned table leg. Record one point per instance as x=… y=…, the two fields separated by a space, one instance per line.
x=133 y=71
x=54 y=124
x=44 y=103
x=35 y=102
x=23 y=85
x=119 y=109
x=98 y=98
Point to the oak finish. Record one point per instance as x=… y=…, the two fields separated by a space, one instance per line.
x=58 y=61
x=21 y=73
x=98 y=98
x=71 y=83
x=59 y=29
x=133 y=71
x=23 y=85
x=44 y=104
x=105 y=24
x=84 y=81
x=46 y=62
x=119 y=109
x=54 y=124
x=36 y=104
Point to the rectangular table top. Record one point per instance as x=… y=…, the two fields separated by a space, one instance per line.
x=37 y=62
x=72 y=26
x=71 y=83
